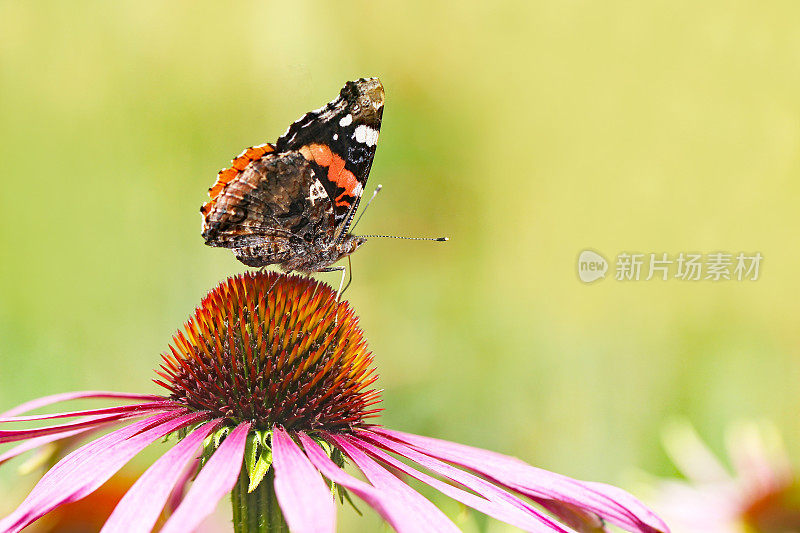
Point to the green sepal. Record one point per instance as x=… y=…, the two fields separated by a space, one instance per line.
x=260 y=469
x=344 y=494
x=257 y=457
x=212 y=442
x=220 y=435
x=339 y=459
x=251 y=448
x=324 y=445
x=180 y=434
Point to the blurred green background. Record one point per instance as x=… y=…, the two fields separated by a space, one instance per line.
x=526 y=131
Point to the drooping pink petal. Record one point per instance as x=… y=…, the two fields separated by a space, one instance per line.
x=214 y=481
x=179 y=491
x=67 y=480
x=141 y=506
x=38 y=442
x=34 y=443
x=55 y=398
x=380 y=500
x=413 y=501
x=139 y=407
x=305 y=499
x=628 y=501
x=14 y=435
x=536 y=482
x=607 y=501
x=580 y=520
x=495 y=501
x=87 y=468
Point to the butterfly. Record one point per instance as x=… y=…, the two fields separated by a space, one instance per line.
x=291 y=203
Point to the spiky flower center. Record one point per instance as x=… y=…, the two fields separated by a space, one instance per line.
x=273 y=349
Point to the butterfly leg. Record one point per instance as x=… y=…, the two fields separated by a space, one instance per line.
x=263 y=270
x=349 y=273
x=341 y=282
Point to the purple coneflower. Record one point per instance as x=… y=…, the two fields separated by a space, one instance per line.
x=269 y=393
x=762 y=494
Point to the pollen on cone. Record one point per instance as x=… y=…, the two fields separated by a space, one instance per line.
x=273 y=349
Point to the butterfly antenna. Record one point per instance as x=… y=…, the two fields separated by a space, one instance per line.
x=438 y=239
x=374 y=194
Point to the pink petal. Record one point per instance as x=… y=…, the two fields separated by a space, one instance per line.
x=578 y=519
x=382 y=501
x=41 y=441
x=87 y=468
x=178 y=492
x=503 y=506
x=411 y=500
x=629 y=502
x=38 y=442
x=537 y=483
x=55 y=398
x=214 y=481
x=305 y=499
x=141 y=506
x=139 y=407
x=13 y=435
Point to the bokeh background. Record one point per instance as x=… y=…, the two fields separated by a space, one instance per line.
x=526 y=131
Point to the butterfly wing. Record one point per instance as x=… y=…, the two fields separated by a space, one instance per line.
x=267 y=208
x=339 y=139
x=278 y=202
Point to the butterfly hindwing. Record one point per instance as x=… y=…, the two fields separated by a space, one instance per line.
x=275 y=198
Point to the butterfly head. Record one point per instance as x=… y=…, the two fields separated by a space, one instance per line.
x=350 y=244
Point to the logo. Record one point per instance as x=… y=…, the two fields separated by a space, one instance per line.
x=591 y=266
x=684 y=266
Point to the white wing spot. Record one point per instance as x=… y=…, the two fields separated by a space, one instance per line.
x=346 y=120
x=366 y=135
x=316 y=192
x=335 y=136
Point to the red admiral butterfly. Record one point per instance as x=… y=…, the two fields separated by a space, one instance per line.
x=291 y=203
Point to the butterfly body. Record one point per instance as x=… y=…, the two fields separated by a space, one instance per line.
x=291 y=203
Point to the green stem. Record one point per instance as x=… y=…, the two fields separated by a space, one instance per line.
x=257 y=511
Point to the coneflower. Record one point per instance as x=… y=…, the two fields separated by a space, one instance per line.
x=759 y=494
x=269 y=393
